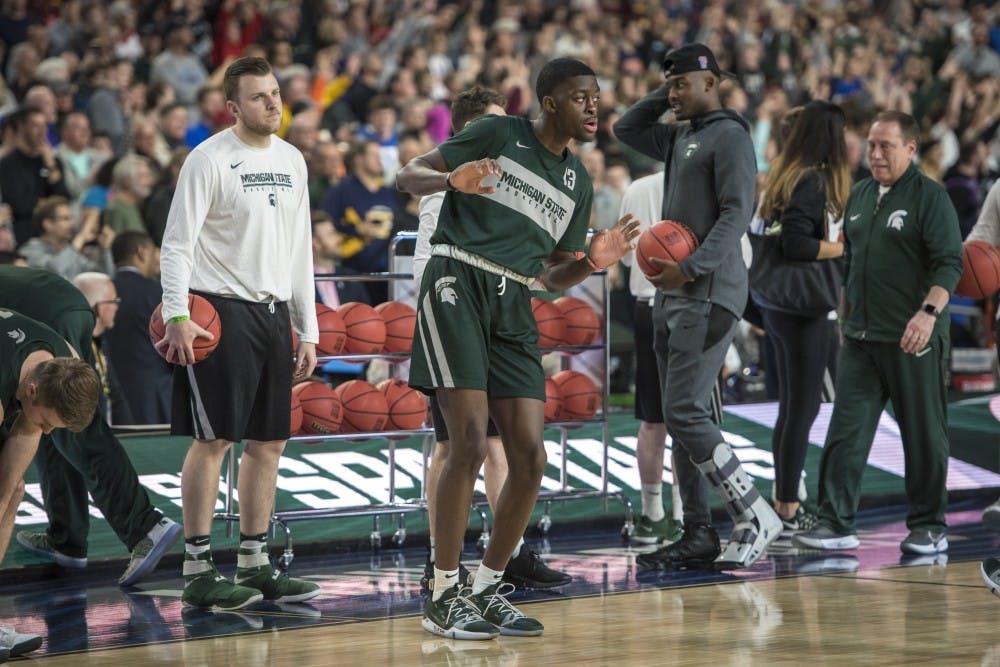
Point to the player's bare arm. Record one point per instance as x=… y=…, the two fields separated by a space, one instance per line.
x=564 y=269
x=429 y=173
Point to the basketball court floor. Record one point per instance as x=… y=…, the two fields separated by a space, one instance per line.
x=872 y=606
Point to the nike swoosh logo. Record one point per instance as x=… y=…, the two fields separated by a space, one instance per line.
x=855 y=217
x=923 y=352
x=520 y=145
x=233 y=166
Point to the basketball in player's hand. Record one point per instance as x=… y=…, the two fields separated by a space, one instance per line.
x=203 y=314
x=666 y=239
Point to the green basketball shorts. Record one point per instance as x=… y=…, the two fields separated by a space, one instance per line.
x=475 y=330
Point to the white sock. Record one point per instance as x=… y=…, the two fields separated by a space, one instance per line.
x=443 y=580
x=433 y=555
x=677 y=505
x=517 y=549
x=652 y=501
x=485 y=577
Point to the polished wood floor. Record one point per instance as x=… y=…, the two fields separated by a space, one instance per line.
x=940 y=615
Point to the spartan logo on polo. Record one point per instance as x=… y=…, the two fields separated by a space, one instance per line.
x=524 y=192
x=691 y=148
x=16 y=335
x=896 y=219
x=444 y=291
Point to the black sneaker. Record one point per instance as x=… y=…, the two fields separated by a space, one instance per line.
x=698 y=548
x=528 y=570
x=427 y=580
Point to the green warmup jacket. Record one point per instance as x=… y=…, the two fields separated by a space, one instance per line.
x=895 y=251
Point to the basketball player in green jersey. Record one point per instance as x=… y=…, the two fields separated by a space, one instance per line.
x=42 y=387
x=517 y=207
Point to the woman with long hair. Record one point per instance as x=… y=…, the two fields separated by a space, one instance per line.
x=805 y=194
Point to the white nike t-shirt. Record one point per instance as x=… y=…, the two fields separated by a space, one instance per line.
x=239 y=226
x=430 y=209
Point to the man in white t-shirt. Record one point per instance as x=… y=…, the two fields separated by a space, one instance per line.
x=239 y=235
x=526 y=568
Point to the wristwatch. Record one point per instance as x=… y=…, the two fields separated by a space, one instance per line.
x=930 y=309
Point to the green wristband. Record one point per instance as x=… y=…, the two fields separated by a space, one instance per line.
x=179 y=318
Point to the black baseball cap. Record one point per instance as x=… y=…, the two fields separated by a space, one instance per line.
x=693 y=58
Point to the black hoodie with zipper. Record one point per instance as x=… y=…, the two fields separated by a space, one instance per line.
x=709 y=182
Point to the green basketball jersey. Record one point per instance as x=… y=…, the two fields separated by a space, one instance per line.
x=542 y=201
x=19 y=337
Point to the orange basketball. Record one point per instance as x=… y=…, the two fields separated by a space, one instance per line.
x=579 y=393
x=365 y=328
x=332 y=332
x=551 y=324
x=321 y=409
x=399 y=320
x=980 y=270
x=365 y=407
x=553 y=401
x=296 y=421
x=666 y=240
x=583 y=326
x=407 y=406
x=203 y=314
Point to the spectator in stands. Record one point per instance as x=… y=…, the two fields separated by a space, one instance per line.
x=364 y=210
x=607 y=200
x=156 y=206
x=964 y=184
x=303 y=132
x=173 y=120
x=131 y=183
x=178 y=66
x=210 y=102
x=104 y=108
x=41 y=97
x=380 y=127
x=7 y=242
x=74 y=151
x=30 y=171
x=143 y=375
x=148 y=142
x=59 y=247
x=326 y=168
x=100 y=293
x=326 y=260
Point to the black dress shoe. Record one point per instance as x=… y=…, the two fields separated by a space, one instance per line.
x=698 y=548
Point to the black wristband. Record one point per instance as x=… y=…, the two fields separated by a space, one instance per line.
x=930 y=310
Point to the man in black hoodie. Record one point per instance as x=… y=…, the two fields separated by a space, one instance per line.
x=709 y=186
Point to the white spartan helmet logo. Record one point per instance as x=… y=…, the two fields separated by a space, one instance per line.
x=569 y=178
x=896 y=220
x=444 y=291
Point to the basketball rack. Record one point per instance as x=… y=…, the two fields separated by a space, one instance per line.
x=400 y=508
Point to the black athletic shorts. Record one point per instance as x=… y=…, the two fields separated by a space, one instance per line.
x=648 y=399
x=243 y=389
x=441 y=429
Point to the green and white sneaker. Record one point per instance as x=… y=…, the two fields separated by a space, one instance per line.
x=454 y=616
x=665 y=531
x=210 y=590
x=276 y=585
x=493 y=605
